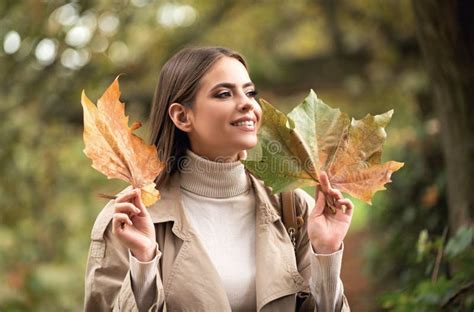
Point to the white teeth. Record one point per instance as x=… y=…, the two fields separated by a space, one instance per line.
x=244 y=123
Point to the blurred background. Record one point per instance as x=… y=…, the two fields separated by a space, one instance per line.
x=411 y=250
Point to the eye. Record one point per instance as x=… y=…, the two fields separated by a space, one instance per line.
x=223 y=94
x=252 y=93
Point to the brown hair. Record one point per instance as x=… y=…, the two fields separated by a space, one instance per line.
x=178 y=83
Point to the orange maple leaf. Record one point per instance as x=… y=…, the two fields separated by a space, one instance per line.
x=114 y=149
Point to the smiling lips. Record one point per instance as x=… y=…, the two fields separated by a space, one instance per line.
x=246 y=125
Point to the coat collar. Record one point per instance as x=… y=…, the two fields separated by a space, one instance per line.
x=170 y=206
x=276 y=274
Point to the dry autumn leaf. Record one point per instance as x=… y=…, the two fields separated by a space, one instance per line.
x=314 y=137
x=114 y=149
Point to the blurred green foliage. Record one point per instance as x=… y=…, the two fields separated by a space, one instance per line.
x=451 y=291
x=360 y=55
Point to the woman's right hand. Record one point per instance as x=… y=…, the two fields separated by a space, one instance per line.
x=133 y=226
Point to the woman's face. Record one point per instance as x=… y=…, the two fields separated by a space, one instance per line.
x=225 y=95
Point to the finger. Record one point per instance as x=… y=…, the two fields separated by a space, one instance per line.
x=122 y=218
x=118 y=223
x=343 y=201
x=126 y=197
x=117 y=226
x=345 y=205
x=127 y=208
x=335 y=193
x=139 y=203
x=320 y=203
x=326 y=186
x=324 y=181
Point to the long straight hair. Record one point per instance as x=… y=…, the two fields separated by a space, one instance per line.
x=178 y=83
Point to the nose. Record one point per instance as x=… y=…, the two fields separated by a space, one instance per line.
x=246 y=104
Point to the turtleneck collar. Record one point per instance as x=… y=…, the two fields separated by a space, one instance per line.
x=213 y=179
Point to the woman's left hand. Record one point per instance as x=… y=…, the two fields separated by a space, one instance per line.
x=326 y=230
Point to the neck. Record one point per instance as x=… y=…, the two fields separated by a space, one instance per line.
x=216 y=157
x=213 y=178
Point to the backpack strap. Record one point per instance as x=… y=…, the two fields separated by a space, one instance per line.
x=290 y=218
x=292 y=222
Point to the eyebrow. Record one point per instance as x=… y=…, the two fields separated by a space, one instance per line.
x=232 y=85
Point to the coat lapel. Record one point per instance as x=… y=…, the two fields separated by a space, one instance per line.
x=190 y=280
x=277 y=273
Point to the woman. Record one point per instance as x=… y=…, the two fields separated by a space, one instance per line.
x=215 y=240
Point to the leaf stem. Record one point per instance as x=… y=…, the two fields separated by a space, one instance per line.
x=106 y=196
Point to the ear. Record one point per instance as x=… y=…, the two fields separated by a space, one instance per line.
x=180 y=116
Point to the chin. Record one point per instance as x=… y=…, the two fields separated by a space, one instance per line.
x=247 y=144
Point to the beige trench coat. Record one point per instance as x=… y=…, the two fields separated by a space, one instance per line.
x=187 y=280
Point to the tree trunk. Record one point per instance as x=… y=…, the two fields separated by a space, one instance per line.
x=446 y=36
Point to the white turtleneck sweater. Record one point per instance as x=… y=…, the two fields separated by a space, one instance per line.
x=220 y=205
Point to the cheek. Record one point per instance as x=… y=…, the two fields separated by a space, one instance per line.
x=258 y=112
x=212 y=121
